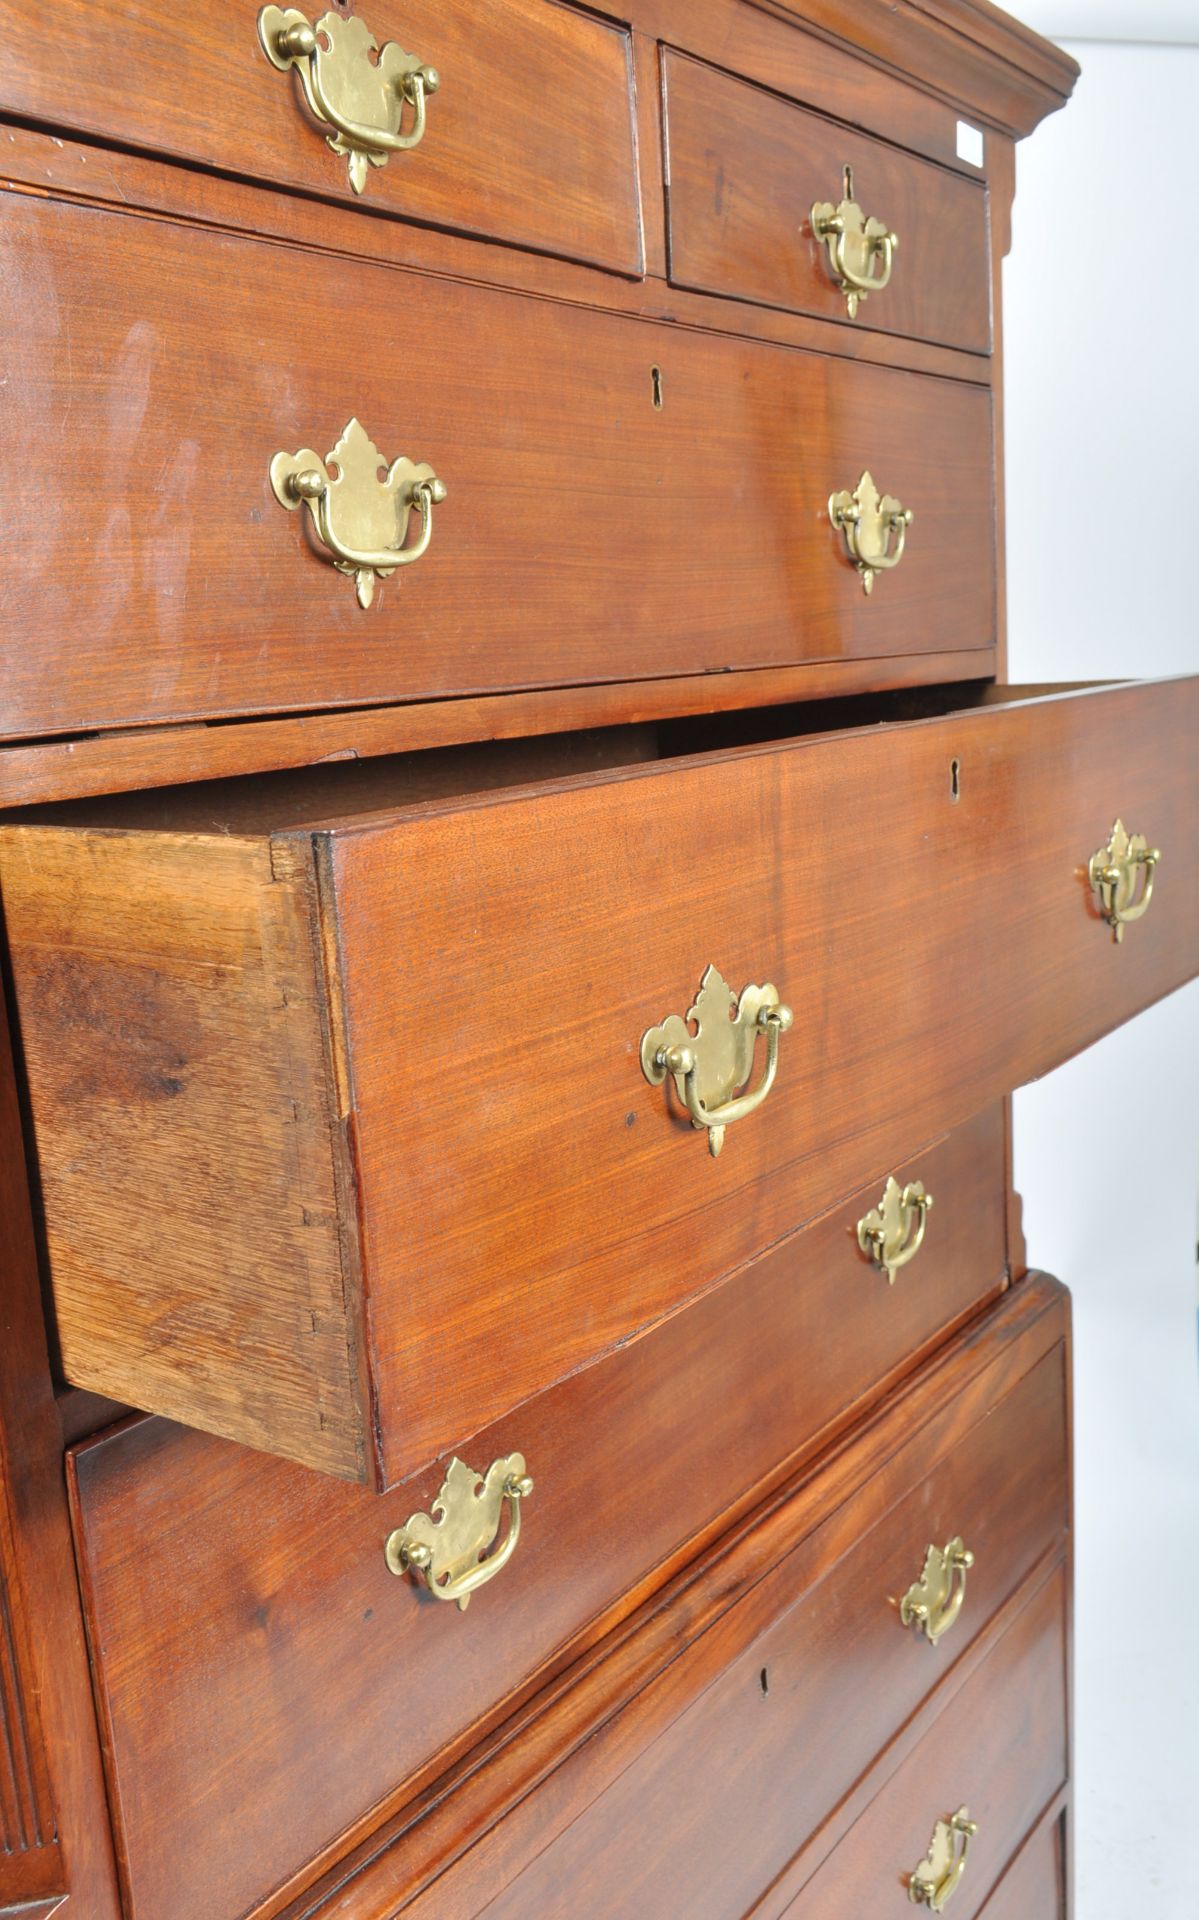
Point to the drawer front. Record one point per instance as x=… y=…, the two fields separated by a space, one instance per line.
x=548 y=1200
x=240 y=1607
x=999 y=1750
x=582 y=540
x=746 y=171
x=545 y=159
x=1034 y=1886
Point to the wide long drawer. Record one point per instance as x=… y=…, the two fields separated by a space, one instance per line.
x=547 y=162
x=243 y=1618
x=614 y=488
x=387 y=1070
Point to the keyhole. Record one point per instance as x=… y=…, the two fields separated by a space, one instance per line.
x=847 y=177
x=655 y=376
x=955 y=780
x=764 y=1679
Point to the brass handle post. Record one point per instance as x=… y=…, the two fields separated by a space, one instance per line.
x=935 y=1881
x=861 y=251
x=933 y=1603
x=451 y=1549
x=360 y=519
x=1122 y=874
x=892 y=1233
x=356 y=89
x=875 y=526
x=711 y=1063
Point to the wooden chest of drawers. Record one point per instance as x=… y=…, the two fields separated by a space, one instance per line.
x=525 y=896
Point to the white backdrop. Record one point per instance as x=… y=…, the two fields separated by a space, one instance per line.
x=1102 y=426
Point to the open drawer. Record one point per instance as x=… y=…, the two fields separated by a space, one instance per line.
x=343 y=1132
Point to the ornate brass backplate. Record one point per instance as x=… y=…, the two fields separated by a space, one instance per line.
x=891 y=1234
x=360 y=97
x=932 y=1603
x=861 y=251
x=1122 y=875
x=875 y=527
x=360 y=519
x=935 y=1881
x=452 y=1548
x=710 y=1063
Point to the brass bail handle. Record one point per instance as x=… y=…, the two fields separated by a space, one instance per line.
x=1122 y=874
x=935 y=1881
x=361 y=520
x=861 y=251
x=875 y=526
x=892 y=1233
x=451 y=1549
x=359 y=90
x=711 y=1063
x=933 y=1603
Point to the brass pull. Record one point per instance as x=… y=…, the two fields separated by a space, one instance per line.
x=932 y=1603
x=1116 y=871
x=875 y=527
x=861 y=252
x=451 y=1549
x=892 y=1233
x=710 y=1064
x=363 y=99
x=935 y=1881
x=361 y=520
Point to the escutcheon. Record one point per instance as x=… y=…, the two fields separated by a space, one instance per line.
x=352 y=85
x=932 y=1603
x=875 y=527
x=361 y=519
x=935 y=1881
x=861 y=251
x=452 y=1548
x=1122 y=876
x=892 y=1233
x=710 y=1063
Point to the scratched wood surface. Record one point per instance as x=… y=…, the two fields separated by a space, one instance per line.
x=545 y=1202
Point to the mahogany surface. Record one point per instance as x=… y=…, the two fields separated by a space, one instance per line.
x=579 y=543
x=745 y=169
x=1034 y=1886
x=310 y=1645
x=529 y=139
x=284 y=984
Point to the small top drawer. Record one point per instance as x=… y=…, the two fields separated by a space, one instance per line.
x=528 y=139
x=746 y=171
x=403 y=1074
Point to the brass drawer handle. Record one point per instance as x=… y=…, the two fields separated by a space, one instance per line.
x=861 y=252
x=935 y=1881
x=1117 y=870
x=932 y=1603
x=362 y=99
x=711 y=1063
x=354 y=512
x=892 y=1233
x=875 y=527
x=444 y=1548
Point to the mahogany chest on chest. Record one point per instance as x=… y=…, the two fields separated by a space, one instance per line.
x=526 y=893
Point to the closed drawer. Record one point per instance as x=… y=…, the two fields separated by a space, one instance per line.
x=746 y=171
x=528 y=139
x=581 y=540
x=1034 y=1886
x=241 y=1608
x=998 y=1752
x=386 y=1070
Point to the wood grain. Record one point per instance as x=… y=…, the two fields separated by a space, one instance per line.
x=529 y=139
x=54 y=1834
x=310 y=1645
x=547 y=1202
x=583 y=539
x=1001 y=1750
x=744 y=170
x=1033 y=1888
x=475 y=1830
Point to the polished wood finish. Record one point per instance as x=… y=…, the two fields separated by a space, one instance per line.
x=1000 y=1749
x=1034 y=1886
x=200 y=596
x=744 y=171
x=529 y=139
x=475 y=1830
x=286 y=981
x=337 y=1658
